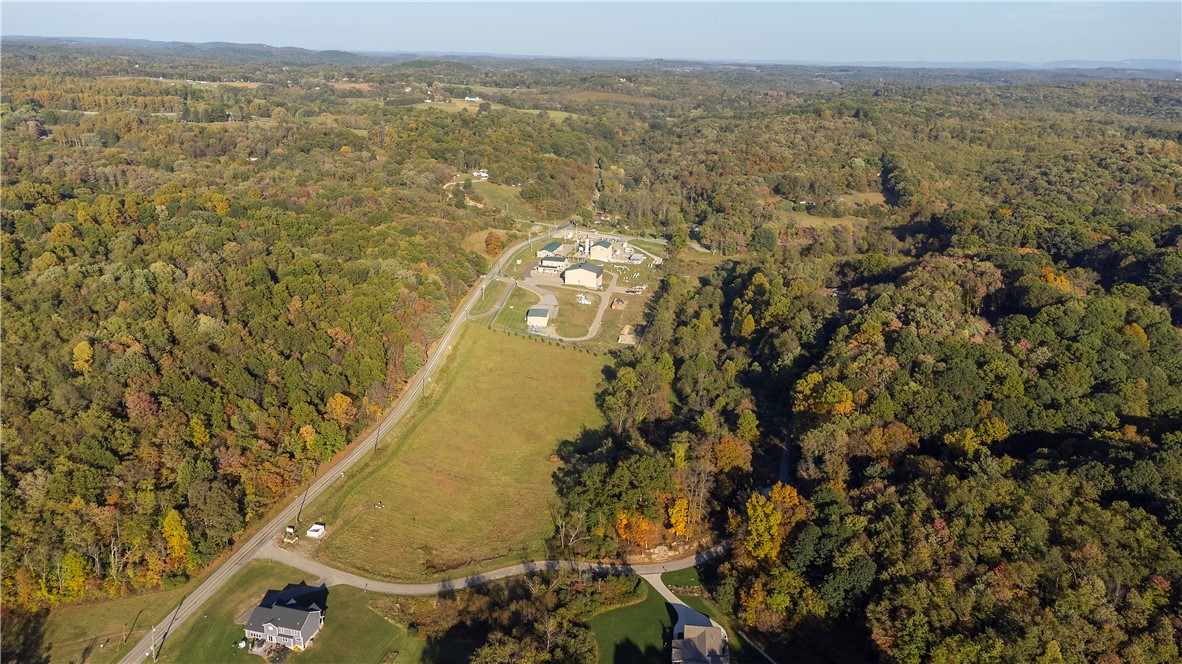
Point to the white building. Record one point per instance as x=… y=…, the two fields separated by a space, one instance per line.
x=537 y=317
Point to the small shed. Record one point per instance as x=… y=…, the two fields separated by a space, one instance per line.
x=317 y=530
x=537 y=317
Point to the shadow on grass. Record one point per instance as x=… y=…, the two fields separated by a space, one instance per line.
x=23 y=637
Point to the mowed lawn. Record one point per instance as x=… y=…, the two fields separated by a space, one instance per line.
x=506 y=198
x=512 y=315
x=636 y=633
x=352 y=631
x=466 y=484
x=74 y=632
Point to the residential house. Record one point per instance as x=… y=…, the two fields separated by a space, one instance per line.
x=290 y=617
x=587 y=275
x=701 y=644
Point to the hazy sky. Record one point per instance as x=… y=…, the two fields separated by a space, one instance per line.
x=831 y=32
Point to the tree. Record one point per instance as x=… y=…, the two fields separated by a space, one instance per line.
x=177 y=544
x=679 y=522
x=83 y=357
x=340 y=410
x=492 y=243
x=764 y=535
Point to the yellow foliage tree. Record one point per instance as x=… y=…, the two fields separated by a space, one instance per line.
x=197 y=431
x=75 y=569
x=679 y=517
x=176 y=541
x=764 y=535
x=308 y=433
x=340 y=409
x=83 y=357
x=1136 y=333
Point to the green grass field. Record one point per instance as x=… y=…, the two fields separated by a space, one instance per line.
x=505 y=198
x=485 y=302
x=574 y=319
x=636 y=633
x=466 y=482
x=512 y=315
x=352 y=632
x=76 y=631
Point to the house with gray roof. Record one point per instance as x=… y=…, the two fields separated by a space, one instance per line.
x=291 y=617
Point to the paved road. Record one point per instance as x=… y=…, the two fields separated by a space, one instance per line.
x=335 y=577
x=251 y=547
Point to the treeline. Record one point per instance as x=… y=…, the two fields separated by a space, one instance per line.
x=196 y=315
x=980 y=391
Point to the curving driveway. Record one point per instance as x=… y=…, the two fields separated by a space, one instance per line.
x=335 y=577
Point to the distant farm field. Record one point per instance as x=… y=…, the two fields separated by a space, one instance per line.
x=460 y=106
x=466 y=484
x=592 y=96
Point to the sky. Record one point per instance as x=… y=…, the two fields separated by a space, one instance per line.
x=1027 y=32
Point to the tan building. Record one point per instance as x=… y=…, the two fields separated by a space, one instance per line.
x=552 y=265
x=551 y=249
x=586 y=275
x=601 y=251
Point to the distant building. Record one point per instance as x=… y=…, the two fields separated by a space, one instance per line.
x=601 y=251
x=552 y=265
x=586 y=275
x=551 y=249
x=290 y=617
x=537 y=317
x=473 y=99
x=701 y=644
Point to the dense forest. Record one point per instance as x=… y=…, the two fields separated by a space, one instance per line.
x=930 y=392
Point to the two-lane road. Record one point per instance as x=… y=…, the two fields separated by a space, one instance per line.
x=249 y=549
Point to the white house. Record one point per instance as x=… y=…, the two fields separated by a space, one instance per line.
x=586 y=275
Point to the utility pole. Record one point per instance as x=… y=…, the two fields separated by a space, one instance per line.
x=300 y=513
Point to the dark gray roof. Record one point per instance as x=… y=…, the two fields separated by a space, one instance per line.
x=591 y=267
x=538 y=311
x=552 y=246
x=287 y=616
x=603 y=243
